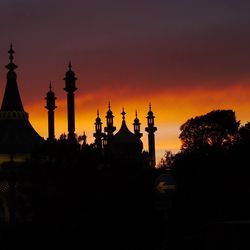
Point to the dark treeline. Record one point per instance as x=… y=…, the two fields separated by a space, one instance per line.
x=66 y=195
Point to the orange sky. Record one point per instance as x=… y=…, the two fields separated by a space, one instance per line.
x=185 y=57
x=170 y=108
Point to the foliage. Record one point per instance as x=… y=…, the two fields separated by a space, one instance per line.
x=166 y=161
x=244 y=133
x=214 y=129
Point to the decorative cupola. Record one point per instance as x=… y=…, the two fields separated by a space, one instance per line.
x=50 y=106
x=109 y=129
x=70 y=88
x=98 y=132
x=151 y=136
x=137 y=126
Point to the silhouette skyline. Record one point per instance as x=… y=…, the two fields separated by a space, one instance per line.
x=176 y=55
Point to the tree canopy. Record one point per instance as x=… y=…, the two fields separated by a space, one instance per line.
x=214 y=129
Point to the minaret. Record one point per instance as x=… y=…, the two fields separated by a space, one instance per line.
x=151 y=136
x=70 y=88
x=98 y=132
x=109 y=129
x=50 y=106
x=137 y=126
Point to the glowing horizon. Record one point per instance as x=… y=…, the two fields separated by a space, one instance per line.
x=171 y=109
x=185 y=57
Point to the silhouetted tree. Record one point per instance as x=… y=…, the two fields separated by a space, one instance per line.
x=244 y=133
x=215 y=129
x=166 y=161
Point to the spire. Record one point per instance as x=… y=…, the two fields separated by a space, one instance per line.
x=137 y=126
x=11 y=100
x=11 y=66
x=70 y=65
x=123 y=113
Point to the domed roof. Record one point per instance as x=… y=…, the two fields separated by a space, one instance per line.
x=125 y=138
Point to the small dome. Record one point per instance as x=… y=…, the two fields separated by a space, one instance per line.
x=98 y=120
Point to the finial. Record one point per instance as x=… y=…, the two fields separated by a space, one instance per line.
x=150 y=106
x=11 y=66
x=50 y=86
x=70 y=65
x=109 y=105
x=97 y=112
x=123 y=113
x=11 y=52
x=136 y=113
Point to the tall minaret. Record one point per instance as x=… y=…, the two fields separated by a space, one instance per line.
x=109 y=129
x=98 y=132
x=137 y=126
x=151 y=136
x=70 y=88
x=50 y=106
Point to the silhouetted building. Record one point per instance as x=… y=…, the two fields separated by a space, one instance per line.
x=125 y=144
x=17 y=136
x=98 y=132
x=109 y=129
x=137 y=125
x=50 y=106
x=151 y=136
x=70 y=88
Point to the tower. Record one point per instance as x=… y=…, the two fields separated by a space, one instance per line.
x=98 y=132
x=137 y=126
x=17 y=136
x=109 y=129
x=151 y=136
x=70 y=88
x=50 y=106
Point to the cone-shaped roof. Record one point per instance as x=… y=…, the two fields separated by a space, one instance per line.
x=16 y=133
x=11 y=99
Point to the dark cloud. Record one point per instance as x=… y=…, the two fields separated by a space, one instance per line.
x=150 y=45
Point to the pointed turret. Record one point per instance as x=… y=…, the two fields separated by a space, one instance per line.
x=151 y=136
x=109 y=129
x=50 y=106
x=137 y=125
x=98 y=132
x=11 y=99
x=17 y=136
x=70 y=88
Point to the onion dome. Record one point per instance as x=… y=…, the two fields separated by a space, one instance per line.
x=126 y=142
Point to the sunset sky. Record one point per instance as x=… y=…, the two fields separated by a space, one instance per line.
x=185 y=57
